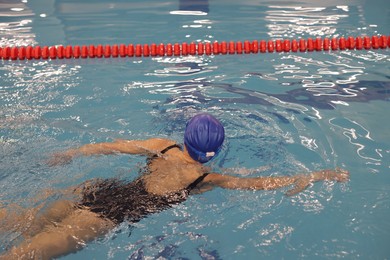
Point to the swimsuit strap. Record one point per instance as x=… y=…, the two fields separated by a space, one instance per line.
x=164 y=151
x=197 y=181
x=170 y=147
x=193 y=184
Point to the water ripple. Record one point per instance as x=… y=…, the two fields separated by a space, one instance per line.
x=15 y=27
x=290 y=21
x=273 y=233
x=360 y=138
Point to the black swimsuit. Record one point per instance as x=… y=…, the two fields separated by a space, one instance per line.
x=120 y=201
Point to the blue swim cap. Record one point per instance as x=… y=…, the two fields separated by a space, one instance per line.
x=203 y=137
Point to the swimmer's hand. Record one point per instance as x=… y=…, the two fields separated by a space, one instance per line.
x=304 y=180
x=61 y=158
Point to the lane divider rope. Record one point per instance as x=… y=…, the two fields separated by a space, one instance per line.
x=198 y=48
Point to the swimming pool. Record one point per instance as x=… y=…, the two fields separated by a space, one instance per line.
x=283 y=112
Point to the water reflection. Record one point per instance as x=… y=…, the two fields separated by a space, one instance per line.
x=320 y=95
x=15 y=24
x=291 y=21
x=325 y=96
x=194 y=5
x=359 y=137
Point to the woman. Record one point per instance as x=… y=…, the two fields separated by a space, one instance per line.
x=171 y=174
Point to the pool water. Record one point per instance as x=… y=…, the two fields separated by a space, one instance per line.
x=284 y=113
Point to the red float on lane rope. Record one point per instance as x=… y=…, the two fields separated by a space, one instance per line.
x=183 y=49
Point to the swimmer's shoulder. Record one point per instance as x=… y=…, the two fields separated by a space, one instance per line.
x=153 y=145
x=160 y=144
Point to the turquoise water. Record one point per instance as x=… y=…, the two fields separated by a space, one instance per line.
x=284 y=114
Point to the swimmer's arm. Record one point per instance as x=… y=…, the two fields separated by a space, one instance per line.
x=245 y=171
x=300 y=181
x=148 y=146
x=153 y=145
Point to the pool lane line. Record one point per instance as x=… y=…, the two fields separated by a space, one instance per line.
x=198 y=48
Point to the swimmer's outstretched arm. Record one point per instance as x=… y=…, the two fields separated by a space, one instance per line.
x=148 y=146
x=300 y=181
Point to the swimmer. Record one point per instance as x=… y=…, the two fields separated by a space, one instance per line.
x=172 y=173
